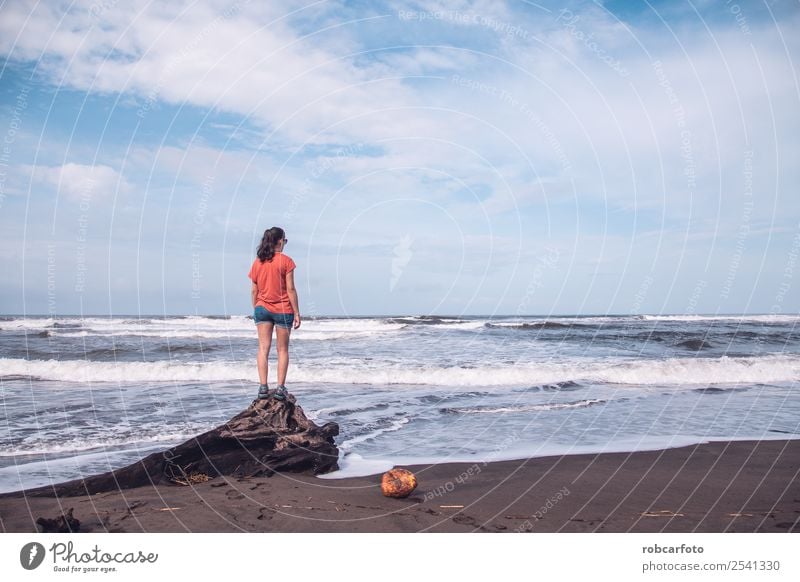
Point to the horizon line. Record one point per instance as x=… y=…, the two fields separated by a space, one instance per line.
x=317 y=316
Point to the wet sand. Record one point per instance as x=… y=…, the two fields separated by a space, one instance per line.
x=736 y=486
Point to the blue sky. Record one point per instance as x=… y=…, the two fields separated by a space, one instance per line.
x=423 y=157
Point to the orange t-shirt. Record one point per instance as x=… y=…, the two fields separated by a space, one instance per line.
x=270 y=277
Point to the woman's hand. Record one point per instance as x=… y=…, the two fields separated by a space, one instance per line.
x=296 y=323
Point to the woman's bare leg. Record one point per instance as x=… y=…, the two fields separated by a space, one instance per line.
x=282 y=334
x=264 y=343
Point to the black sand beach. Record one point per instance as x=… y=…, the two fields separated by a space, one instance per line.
x=736 y=486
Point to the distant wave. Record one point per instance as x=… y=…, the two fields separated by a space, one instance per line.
x=764 y=318
x=241 y=326
x=716 y=390
x=309 y=333
x=156 y=333
x=304 y=335
x=695 y=344
x=425 y=320
x=523 y=408
x=387 y=426
x=336 y=411
x=105 y=353
x=672 y=371
x=556 y=387
x=208 y=327
x=536 y=325
x=44 y=445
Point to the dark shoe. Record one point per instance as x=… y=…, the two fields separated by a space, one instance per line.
x=263 y=392
x=280 y=392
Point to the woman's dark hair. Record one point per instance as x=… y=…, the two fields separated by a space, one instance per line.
x=272 y=236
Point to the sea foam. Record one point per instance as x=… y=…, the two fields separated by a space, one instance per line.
x=643 y=372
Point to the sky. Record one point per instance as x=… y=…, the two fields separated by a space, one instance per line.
x=447 y=158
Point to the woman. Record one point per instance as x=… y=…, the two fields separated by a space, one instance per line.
x=274 y=300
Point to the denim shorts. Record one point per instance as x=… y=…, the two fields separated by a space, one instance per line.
x=262 y=315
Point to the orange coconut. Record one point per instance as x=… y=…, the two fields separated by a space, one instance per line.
x=398 y=483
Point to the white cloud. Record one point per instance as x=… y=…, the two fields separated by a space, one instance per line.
x=544 y=102
x=243 y=57
x=82 y=183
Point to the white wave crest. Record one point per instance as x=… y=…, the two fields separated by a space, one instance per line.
x=673 y=371
x=236 y=327
x=395 y=425
x=80 y=445
x=763 y=318
x=530 y=408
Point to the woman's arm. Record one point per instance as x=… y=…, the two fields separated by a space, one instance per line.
x=253 y=294
x=292 y=292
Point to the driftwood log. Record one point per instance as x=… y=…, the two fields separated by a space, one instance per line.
x=268 y=436
x=63 y=523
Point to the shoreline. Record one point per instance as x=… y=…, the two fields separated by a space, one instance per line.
x=718 y=486
x=376 y=466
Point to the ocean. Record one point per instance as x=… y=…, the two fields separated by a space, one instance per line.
x=84 y=395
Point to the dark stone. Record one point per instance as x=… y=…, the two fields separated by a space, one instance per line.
x=64 y=523
x=268 y=436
